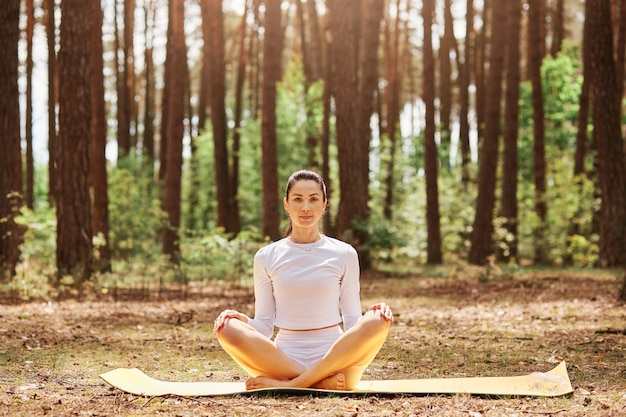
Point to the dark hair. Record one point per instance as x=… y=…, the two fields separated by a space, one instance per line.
x=301 y=175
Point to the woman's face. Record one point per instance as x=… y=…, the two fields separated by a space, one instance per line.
x=305 y=203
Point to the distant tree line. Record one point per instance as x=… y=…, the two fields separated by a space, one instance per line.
x=472 y=79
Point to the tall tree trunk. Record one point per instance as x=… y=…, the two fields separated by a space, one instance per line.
x=74 y=254
x=165 y=99
x=481 y=58
x=150 y=89
x=327 y=67
x=464 y=85
x=218 y=117
x=607 y=134
x=99 y=136
x=558 y=27
x=52 y=99
x=536 y=52
x=122 y=73
x=508 y=206
x=431 y=159
x=343 y=32
x=238 y=113
x=30 y=165
x=204 y=104
x=272 y=46
x=582 y=138
x=445 y=83
x=482 y=231
x=621 y=47
x=10 y=157
x=394 y=66
x=254 y=60
x=176 y=60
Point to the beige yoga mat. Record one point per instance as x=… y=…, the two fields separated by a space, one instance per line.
x=550 y=384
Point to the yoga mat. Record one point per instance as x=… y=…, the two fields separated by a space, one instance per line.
x=553 y=383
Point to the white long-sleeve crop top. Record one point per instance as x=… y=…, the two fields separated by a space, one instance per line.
x=304 y=286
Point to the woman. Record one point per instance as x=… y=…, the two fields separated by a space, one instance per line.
x=300 y=282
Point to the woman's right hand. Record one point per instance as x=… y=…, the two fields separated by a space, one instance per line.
x=228 y=314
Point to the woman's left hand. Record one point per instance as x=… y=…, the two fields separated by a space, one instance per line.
x=384 y=309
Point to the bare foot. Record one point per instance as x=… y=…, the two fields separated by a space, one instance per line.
x=335 y=382
x=265 y=382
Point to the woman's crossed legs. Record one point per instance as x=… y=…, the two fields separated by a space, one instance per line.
x=340 y=369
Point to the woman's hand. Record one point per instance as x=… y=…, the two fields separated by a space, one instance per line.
x=228 y=314
x=384 y=309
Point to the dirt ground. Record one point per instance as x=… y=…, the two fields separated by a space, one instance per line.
x=448 y=325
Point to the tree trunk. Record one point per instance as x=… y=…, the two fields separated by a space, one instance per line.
x=508 y=206
x=481 y=58
x=356 y=49
x=445 y=84
x=581 y=136
x=482 y=231
x=272 y=46
x=392 y=94
x=30 y=165
x=100 y=212
x=150 y=89
x=122 y=74
x=165 y=99
x=238 y=113
x=218 y=116
x=558 y=27
x=536 y=52
x=607 y=133
x=621 y=47
x=10 y=157
x=329 y=225
x=464 y=85
x=431 y=159
x=52 y=100
x=74 y=253
x=177 y=62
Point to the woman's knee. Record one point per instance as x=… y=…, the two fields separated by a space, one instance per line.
x=376 y=322
x=231 y=333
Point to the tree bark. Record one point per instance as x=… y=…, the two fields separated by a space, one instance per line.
x=74 y=253
x=176 y=60
x=508 y=206
x=464 y=85
x=99 y=137
x=558 y=27
x=150 y=89
x=355 y=50
x=482 y=230
x=445 y=84
x=431 y=159
x=607 y=134
x=10 y=157
x=242 y=61
x=29 y=191
x=536 y=52
x=392 y=95
x=218 y=116
x=272 y=46
x=52 y=100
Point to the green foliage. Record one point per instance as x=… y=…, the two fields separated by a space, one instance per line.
x=135 y=215
x=38 y=253
x=561 y=82
x=219 y=257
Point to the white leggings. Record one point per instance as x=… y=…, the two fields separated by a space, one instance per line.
x=306 y=348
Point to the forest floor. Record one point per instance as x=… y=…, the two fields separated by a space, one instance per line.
x=448 y=324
